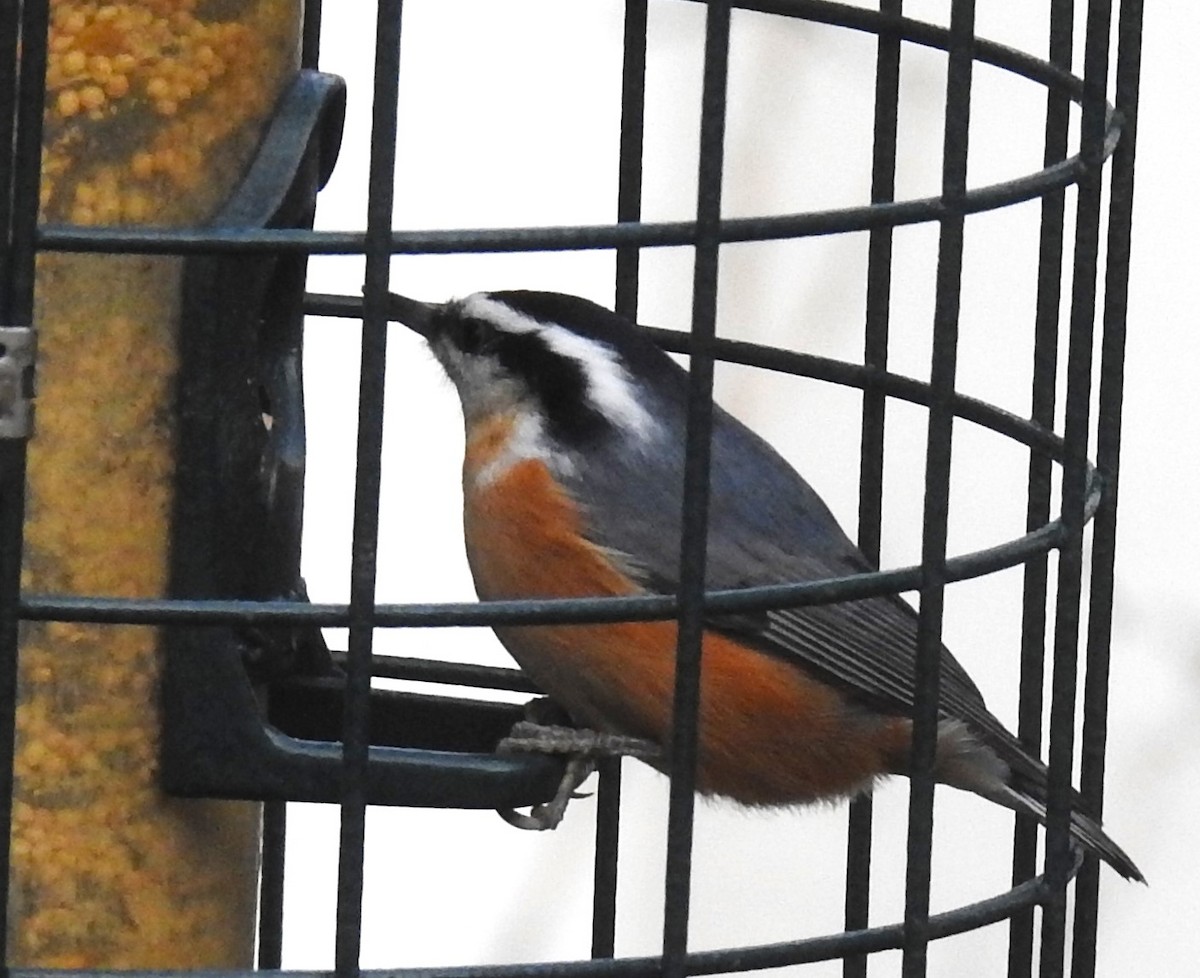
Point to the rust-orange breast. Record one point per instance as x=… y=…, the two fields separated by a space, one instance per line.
x=769 y=732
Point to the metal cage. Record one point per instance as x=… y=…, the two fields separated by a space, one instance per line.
x=1099 y=166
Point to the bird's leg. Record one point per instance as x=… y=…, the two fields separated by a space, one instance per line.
x=583 y=747
x=535 y=738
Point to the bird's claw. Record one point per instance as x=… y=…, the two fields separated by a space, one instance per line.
x=583 y=747
x=549 y=814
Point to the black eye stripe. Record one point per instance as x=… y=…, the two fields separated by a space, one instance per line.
x=558 y=382
x=468 y=333
x=477 y=335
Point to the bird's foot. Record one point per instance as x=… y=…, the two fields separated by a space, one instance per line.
x=548 y=814
x=584 y=748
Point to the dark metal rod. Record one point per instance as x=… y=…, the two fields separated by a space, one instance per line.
x=803 y=365
x=629 y=181
x=808 y=365
x=937 y=490
x=310 y=42
x=629 y=208
x=27 y=163
x=270 y=886
x=1045 y=385
x=12 y=520
x=667 y=234
x=608 y=833
x=24 y=153
x=1108 y=438
x=1065 y=668
x=10 y=35
x=535 y=611
x=879 y=285
x=365 y=537
x=684 y=735
x=724 y=961
x=870 y=493
x=419 y=670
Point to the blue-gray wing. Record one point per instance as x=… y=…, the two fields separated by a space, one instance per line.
x=768 y=526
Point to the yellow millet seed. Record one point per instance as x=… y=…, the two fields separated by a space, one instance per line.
x=92 y=97
x=67 y=104
x=74 y=21
x=158 y=88
x=100 y=67
x=117 y=86
x=74 y=62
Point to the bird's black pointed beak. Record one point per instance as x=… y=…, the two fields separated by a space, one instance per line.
x=416 y=315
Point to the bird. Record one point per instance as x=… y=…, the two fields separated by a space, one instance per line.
x=572 y=487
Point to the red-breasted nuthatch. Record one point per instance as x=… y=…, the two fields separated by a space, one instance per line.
x=572 y=485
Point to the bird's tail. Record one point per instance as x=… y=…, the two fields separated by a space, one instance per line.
x=1001 y=771
x=1085 y=830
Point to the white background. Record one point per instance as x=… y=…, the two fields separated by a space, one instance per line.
x=509 y=116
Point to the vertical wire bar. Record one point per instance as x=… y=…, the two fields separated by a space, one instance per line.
x=937 y=486
x=27 y=166
x=1044 y=388
x=633 y=116
x=10 y=33
x=367 y=485
x=629 y=208
x=310 y=45
x=12 y=520
x=870 y=497
x=608 y=833
x=274 y=844
x=17 y=295
x=695 y=491
x=1108 y=440
x=1064 y=675
x=270 y=890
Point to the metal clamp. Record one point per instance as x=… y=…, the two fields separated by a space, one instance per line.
x=18 y=350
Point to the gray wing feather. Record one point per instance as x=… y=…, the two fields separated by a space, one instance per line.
x=772 y=528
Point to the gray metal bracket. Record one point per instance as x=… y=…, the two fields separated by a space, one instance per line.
x=18 y=351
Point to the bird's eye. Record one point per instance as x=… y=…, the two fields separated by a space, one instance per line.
x=472 y=335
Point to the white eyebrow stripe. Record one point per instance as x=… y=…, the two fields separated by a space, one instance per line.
x=504 y=317
x=609 y=385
